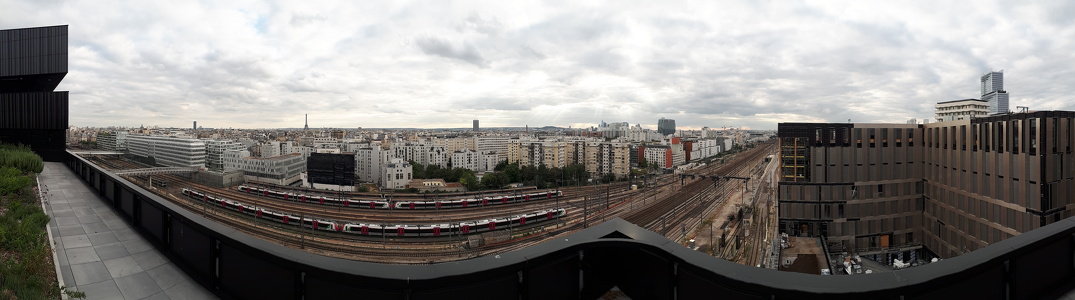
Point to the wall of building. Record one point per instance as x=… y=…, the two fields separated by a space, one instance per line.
x=33 y=61
x=953 y=186
x=992 y=178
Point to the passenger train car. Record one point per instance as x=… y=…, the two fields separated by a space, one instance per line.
x=474 y=202
x=364 y=229
x=384 y=204
x=325 y=200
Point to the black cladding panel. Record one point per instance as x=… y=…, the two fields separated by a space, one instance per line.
x=33 y=61
x=328 y=168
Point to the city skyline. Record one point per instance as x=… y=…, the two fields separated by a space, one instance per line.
x=442 y=65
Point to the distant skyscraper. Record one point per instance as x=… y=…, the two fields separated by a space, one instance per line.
x=475 y=125
x=307 y=126
x=195 y=125
x=993 y=92
x=666 y=126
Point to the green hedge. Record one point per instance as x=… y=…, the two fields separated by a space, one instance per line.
x=20 y=157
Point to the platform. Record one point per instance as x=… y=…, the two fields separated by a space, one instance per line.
x=97 y=251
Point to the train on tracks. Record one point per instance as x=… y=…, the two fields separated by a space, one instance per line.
x=369 y=229
x=407 y=204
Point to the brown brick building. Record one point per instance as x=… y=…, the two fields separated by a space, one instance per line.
x=952 y=186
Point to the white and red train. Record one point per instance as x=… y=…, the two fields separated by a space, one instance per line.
x=384 y=204
x=423 y=230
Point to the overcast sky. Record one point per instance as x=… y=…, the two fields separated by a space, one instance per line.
x=434 y=64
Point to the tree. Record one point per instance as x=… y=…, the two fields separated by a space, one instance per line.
x=513 y=172
x=495 y=180
x=417 y=169
x=469 y=180
x=608 y=177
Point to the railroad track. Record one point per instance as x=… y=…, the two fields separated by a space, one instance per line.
x=670 y=210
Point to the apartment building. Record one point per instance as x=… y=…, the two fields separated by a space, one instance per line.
x=952 y=186
x=168 y=151
x=112 y=140
x=282 y=169
x=214 y=152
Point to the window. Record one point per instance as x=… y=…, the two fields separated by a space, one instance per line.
x=1033 y=137
x=899 y=137
x=884 y=137
x=1016 y=125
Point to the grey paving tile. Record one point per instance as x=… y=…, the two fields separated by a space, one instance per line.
x=61 y=257
x=82 y=255
x=122 y=266
x=82 y=212
x=188 y=290
x=90 y=273
x=70 y=230
x=89 y=219
x=136 y=245
x=117 y=224
x=110 y=251
x=78 y=203
x=96 y=227
x=63 y=213
x=102 y=238
x=68 y=277
x=108 y=215
x=61 y=221
x=126 y=234
x=57 y=242
x=101 y=290
x=137 y=286
x=149 y=259
x=158 y=296
x=76 y=241
x=100 y=206
x=167 y=275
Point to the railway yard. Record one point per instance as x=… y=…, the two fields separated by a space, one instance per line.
x=722 y=209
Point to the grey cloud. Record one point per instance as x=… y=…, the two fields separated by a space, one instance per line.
x=475 y=22
x=442 y=47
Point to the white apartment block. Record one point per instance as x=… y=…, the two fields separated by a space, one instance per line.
x=475 y=161
x=638 y=134
x=168 y=151
x=270 y=149
x=214 y=152
x=960 y=109
x=423 y=153
x=112 y=140
x=705 y=148
x=397 y=173
x=369 y=162
x=667 y=155
x=456 y=144
x=498 y=144
x=608 y=158
x=283 y=169
x=465 y=159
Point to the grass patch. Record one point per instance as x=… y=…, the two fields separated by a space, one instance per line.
x=26 y=267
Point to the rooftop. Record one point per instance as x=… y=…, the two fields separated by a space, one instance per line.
x=962 y=100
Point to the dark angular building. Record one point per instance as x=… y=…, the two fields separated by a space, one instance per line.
x=953 y=187
x=666 y=126
x=33 y=61
x=328 y=168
